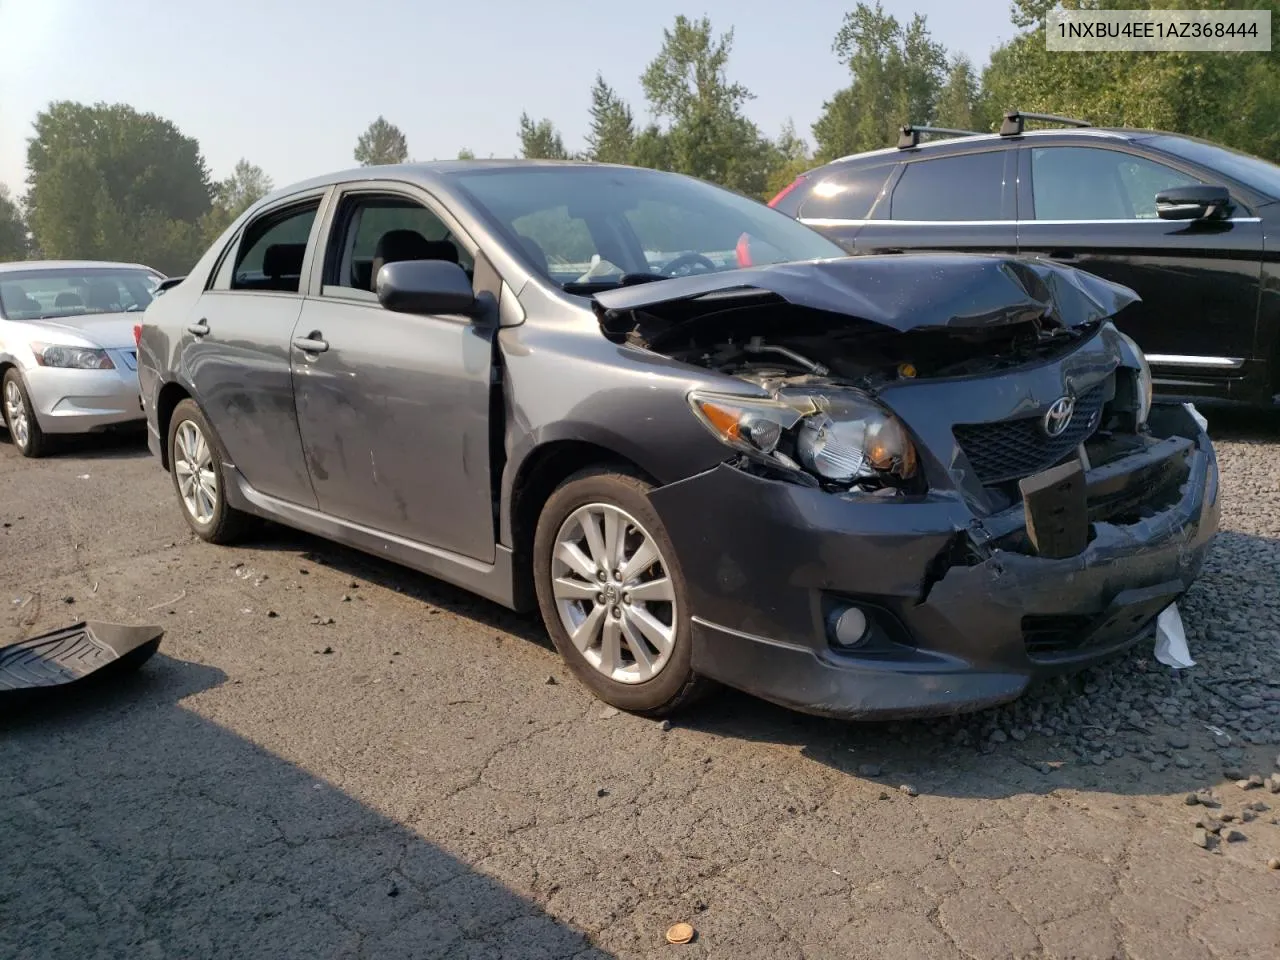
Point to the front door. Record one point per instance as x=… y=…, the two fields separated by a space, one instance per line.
x=1094 y=208
x=394 y=408
x=236 y=351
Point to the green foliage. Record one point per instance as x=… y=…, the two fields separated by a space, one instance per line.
x=898 y=76
x=466 y=154
x=541 y=140
x=106 y=182
x=706 y=134
x=1232 y=98
x=612 y=137
x=381 y=143
x=13 y=229
x=247 y=185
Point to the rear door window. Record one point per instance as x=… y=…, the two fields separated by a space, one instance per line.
x=272 y=249
x=965 y=187
x=845 y=194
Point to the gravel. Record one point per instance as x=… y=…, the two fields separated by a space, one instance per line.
x=1209 y=719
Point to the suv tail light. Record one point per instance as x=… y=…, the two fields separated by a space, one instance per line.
x=787 y=189
x=137 y=334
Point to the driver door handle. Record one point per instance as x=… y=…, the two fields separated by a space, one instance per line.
x=312 y=343
x=198 y=329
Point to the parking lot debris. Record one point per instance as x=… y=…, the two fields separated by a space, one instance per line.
x=1273 y=783
x=53 y=660
x=666 y=725
x=909 y=790
x=1247 y=815
x=550 y=681
x=346 y=598
x=319 y=621
x=1235 y=836
x=605 y=712
x=1171 y=640
x=1209 y=824
x=1201 y=838
x=679 y=933
x=602 y=792
x=1273 y=863
x=1254 y=781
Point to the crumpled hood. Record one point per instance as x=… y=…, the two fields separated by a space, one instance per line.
x=900 y=291
x=111 y=330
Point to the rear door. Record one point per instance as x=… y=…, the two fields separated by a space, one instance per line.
x=237 y=353
x=1094 y=208
x=394 y=410
x=963 y=201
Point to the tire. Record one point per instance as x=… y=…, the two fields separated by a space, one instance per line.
x=20 y=416
x=570 y=594
x=194 y=451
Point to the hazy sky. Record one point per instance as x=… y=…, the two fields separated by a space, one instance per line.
x=290 y=84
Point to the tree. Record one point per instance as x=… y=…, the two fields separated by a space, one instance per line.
x=466 y=154
x=381 y=143
x=793 y=159
x=707 y=134
x=898 y=76
x=247 y=185
x=959 y=104
x=13 y=230
x=106 y=182
x=612 y=136
x=541 y=140
x=1232 y=98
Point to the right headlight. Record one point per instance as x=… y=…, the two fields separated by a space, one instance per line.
x=841 y=439
x=1142 y=381
x=75 y=358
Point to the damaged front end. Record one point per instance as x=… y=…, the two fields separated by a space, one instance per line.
x=967 y=457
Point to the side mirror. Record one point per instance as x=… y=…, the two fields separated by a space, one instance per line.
x=425 y=286
x=1192 y=203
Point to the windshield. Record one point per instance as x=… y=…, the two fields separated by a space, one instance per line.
x=1253 y=172
x=48 y=293
x=593 y=228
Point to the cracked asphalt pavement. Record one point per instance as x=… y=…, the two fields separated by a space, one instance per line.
x=334 y=757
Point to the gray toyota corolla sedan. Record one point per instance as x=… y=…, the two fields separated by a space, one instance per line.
x=706 y=445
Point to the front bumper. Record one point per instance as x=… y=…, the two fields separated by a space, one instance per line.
x=966 y=615
x=84 y=401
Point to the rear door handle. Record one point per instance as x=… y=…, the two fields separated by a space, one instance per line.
x=198 y=329
x=313 y=343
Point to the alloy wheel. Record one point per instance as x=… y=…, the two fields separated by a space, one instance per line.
x=197 y=480
x=16 y=413
x=613 y=593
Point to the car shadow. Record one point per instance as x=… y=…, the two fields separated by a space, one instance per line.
x=123 y=444
x=1242 y=424
x=946 y=756
x=133 y=826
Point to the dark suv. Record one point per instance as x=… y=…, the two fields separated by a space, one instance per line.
x=1193 y=227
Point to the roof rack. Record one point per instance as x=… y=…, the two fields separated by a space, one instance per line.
x=1015 y=119
x=909 y=134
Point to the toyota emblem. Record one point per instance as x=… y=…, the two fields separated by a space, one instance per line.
x=1058 y=416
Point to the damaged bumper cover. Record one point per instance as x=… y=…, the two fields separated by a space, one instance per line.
x=962 y=612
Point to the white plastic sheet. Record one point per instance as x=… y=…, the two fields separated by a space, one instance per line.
x=1171 y=640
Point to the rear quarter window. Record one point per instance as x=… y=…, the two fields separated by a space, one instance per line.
x=844 y=194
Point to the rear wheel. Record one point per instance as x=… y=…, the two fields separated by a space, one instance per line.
x=20 y=417
x=612 y=595
x=198 y=477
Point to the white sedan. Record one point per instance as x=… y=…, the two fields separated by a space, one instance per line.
x=68 y=354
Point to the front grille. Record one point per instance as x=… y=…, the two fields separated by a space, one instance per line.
x=1013 y=449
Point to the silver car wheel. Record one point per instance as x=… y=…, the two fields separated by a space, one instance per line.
x=613 y=592
x=193 y=465
x=16 y=413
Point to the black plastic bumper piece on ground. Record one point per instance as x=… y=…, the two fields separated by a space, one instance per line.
x=73 y=654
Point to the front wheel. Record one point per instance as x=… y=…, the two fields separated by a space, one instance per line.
x=198 y=477
x=612 y=595
x=20 y=416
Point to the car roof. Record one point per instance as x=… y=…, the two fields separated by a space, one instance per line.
x=14 y=266
x=983 y=140
x=426 y=172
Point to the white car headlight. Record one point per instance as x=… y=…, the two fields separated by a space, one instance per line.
x=76 y=358
x=840 y=439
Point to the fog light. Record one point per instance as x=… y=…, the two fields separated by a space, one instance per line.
x=849 y=627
